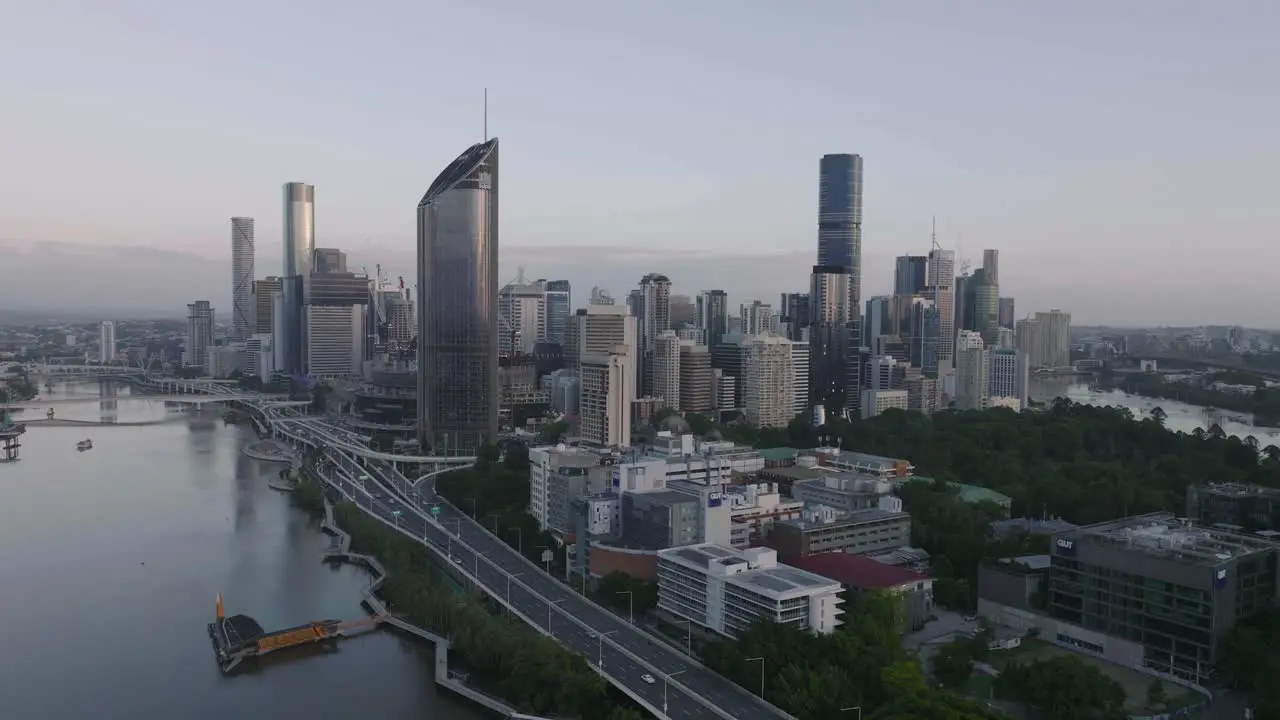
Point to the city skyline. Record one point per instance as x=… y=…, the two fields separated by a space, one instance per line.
x=988 y=188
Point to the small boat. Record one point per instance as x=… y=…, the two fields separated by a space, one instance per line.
x=84 y=445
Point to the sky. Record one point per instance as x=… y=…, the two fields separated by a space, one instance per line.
x=1119 y=155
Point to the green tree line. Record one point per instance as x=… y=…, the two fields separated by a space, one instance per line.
x=861 y=665
x=501 y=655
x=1263 y=402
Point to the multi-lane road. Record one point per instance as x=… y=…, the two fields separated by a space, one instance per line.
x=664 y=678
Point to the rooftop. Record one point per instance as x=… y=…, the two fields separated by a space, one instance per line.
x=848 y=518
x=1238 y=490
x=763 y=575
x=1164 y=535
x=856 y=571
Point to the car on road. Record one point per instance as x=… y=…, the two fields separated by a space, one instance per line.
x=648 y=678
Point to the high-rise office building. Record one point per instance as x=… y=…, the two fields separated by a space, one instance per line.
x=697 y=382
x=941 y=288
x=1056 y=335
x=840 y=217
x=971 y=371
x=336 y=316
x=457 y=305
x=982 y=305
x=758 y=318
x=522 y=318
x=799 y=378
x=263 y=290
x=607 y=336
x=1029 y=338
x=793 y=315
x=1005 y=312
x=991 y=266
x=299 y=249
x=243 y=312
x=600 y=296
x=877 y=320
x=1008 y=376
x=559 y=304
x=106 y=341
x=712 y=309
x=199 y=334
x=831 y=314
x=910 y=275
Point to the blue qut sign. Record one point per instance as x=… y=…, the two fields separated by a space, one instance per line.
x=1065 y=546
x=617 y=478
x=715 y=499
x=1220 y=578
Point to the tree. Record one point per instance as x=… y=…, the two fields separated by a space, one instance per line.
x=1062 y=688
x=1155 y=694
x=1159 y=415
x=953 y=663
x=552 y=432
x=699 y=424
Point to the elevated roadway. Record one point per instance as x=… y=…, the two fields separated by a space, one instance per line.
x=621 y=652
x=192 y=399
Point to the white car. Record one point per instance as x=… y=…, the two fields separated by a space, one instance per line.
x=648 y=678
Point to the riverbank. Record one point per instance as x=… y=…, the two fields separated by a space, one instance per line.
x=500 y=656
x=269 y=451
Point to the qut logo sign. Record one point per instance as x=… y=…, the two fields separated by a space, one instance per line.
x=1066 y=545
x=715 y=499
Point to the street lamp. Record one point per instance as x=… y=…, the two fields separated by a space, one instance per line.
x=519 y=539
x=858 y=708
x=688 y=638
x=631 y=605
x=546 y=556
x=473 y=506
x=665 y=680
x=551 y=603
x=761 y=659
x=600 y=650
x=509 y=576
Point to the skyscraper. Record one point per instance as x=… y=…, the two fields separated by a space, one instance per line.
x=106 y=341
x=840 y=217
x=910 y=274
x=991 y=265
x=559 y=304
x=831 y=317
x=713 y=315
x=652 y=308
x=299 y=246
x=243 y=313
x=457 y=305
x=941 y=289
x=1005 y=311
x=199 y=334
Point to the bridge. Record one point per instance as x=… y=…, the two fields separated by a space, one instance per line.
x=239 y=637
x=619 y=651
x=192 y=399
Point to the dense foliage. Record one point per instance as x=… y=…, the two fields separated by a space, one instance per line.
x=863 y=665
x=1251 y=661
x=1263 y=402
x=1063 y=688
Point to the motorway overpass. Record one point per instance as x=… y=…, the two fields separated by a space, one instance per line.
x=620 y=651
x=1208 y=363
x=192 y=399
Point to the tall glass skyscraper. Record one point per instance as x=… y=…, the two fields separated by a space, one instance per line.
x=840 y=217
x=457 y=305
x=243 y=312
x=299 y=245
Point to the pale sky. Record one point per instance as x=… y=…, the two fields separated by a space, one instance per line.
x=1119 y=153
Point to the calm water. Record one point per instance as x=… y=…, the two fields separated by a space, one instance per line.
x=111 y=560
x=1180 y=415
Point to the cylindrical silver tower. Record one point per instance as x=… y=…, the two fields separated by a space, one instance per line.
x=299 y=243
x=457 y=305
x=243 y=312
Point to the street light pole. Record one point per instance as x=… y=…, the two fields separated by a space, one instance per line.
x=631 y=605
x=600 y=650
x=688 y=636
x=473 y=506
x=761 y=659
x=666 y=679
x=519 y=540
x=858 y=708
x=550 y=604
x=509 y=576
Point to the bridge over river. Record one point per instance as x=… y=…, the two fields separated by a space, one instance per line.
x=186 y=399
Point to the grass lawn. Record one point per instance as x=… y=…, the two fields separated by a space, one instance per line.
x=978 y=686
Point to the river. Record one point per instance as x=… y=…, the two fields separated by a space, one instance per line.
x=113 y=557
x=1179 y=415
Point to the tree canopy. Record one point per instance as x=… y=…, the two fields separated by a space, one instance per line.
x=1250 y=661
x=1063 y=688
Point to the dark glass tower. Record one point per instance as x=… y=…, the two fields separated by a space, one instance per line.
x=840 y=217
x=457 y=305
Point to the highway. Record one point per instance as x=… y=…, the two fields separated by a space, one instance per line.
x=624 y=654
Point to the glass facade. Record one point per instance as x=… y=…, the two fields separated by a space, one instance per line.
x=840 y=217
x=457 y=305
x=299 y=245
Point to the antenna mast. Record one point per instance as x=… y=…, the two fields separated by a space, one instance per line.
x=486 y=115
x=933 y=235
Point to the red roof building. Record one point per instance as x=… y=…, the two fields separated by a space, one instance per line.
x=860 y=574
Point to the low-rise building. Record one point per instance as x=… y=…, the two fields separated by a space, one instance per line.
x=857 y=574
x=886 y=468
x=726 y=590
x=844 y=491
x=822 y=529
x=1250 y=507
x=754 y=509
